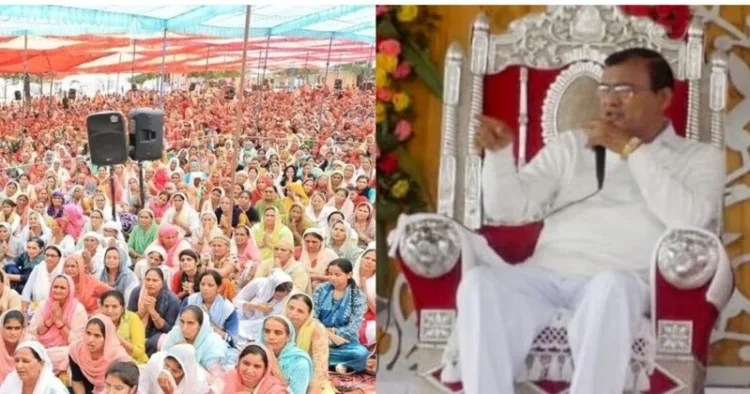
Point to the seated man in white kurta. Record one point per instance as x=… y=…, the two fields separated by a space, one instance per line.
x=594 y=252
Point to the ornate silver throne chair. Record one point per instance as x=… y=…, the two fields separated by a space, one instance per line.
x=540 y=77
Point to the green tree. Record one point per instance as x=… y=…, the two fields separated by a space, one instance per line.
x=210 y=75
x=140 y=79
x=359 y=68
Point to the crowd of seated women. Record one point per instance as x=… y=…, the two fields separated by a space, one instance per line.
x=257 y=277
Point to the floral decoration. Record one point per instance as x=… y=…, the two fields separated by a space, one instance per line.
x=675 y=18
x=402 y=55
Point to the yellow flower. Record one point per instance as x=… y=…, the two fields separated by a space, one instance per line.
x=407 y=13
x=400 y=189
x=379 y=112
x=381 y=78
x=386 y=62
x=400 y=101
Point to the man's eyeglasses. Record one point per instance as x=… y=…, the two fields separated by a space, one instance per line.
x=623 y=91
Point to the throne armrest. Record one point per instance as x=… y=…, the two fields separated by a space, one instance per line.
x=691 y=281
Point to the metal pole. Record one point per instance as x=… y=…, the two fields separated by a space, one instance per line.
x=369 y=63
x=132 y=67
x=112 y=189
x=307 y=55
x=163 y=69
x=325 y=79
x=142 y=203
x=117 y=81
x=240 y=123
x=338 y=67
x=265 y=61
x=25 y=69
x=260 y=57
x=328 y=60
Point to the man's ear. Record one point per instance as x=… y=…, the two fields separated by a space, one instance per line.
x=665 y=98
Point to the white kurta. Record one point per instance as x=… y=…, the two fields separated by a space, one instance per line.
x=592 y=256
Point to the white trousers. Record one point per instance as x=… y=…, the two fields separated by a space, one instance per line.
x=502 y=308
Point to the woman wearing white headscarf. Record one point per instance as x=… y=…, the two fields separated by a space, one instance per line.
x=261 y=297
x=160 y=255
x=101 y=202
x=37 y=227
x=10 y=245
x=364 y=276
x=182 y=215
x=37 y=287
x=39 y=377
x=11 y=191
x=188 y=378
x=93 y=252
x=113 y=229
x=94 y=223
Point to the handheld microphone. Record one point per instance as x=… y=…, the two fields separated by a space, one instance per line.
x=600 y=164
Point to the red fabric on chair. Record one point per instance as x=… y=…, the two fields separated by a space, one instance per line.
x=438 y=293
x=514 y=244
x=688 y=305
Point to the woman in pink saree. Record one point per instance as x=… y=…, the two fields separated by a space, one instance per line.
x=60 y=321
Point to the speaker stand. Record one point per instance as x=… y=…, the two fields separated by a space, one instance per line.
x=143 y=190
x=112 y=190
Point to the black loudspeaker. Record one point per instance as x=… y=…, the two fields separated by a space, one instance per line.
x=72 y=94
x=133 y=87
x=65 y=103
x=17 y=93
x=192 y=86
x=146 y=134
x=337 y=84
x=107 y=138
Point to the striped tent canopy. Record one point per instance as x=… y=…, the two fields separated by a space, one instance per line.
x=63 y=41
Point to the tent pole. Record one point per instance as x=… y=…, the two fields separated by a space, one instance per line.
x=338 y=67
x=239 y=128
x=261 y=83
x=369 y=63
x=117 y=81
x=265 y=62
x=25 y=69
x=163 y=69
x=307 y=56
x=325 y=80
x=132 y=67
x=328 y=60
x=260 y=58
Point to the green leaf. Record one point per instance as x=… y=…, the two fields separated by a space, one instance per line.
x=387 y=210
x=386 y=29
x=411 y=167
x=387 y=142
x=423 y=67
x=381 y=254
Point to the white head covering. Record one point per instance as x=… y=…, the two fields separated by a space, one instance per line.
x=47 y=381
x=194 y=381
x=358 y=264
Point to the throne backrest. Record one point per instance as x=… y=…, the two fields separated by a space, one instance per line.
x=540 y=77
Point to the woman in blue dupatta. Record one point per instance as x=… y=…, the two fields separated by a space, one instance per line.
x=340 y=305
x=195 y=329
x=156 y=306
x=295 y=363
x=116 y=272
x=221 y=312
